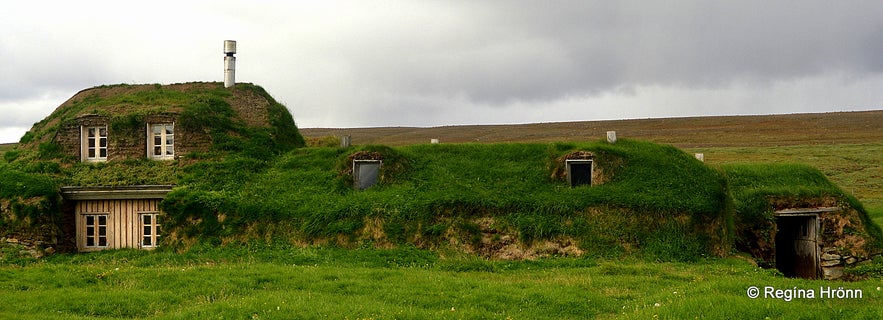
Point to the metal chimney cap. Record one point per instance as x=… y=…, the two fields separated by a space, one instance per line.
x=229 y=46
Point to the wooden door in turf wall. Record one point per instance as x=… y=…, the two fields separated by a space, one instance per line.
x=797 y=245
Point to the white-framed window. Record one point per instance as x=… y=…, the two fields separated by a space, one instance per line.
x=150 y=230
x=95 y=230
x=95 y=143
x=161 y=141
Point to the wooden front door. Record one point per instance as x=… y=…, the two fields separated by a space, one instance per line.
x=797 y=248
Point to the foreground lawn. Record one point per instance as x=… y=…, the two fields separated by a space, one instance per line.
x=313 y=283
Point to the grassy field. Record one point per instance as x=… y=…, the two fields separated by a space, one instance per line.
x=406 y=283
x=731 y=131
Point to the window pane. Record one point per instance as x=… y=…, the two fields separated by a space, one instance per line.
x=146 y=242
x=157 y=140
x=102 y=132
x=170 y=140
x=90 y=231
x=170 y=151
x=157 y=129
x=169 y=129
x=91 y=143
x=146 y=218
x=146 y=230
x=102 y=231
x=102 y=220
x=90 y=220
x=157 y=151
x=102 y=153
x=91 y=133
x=102 y=241
x=90 y=241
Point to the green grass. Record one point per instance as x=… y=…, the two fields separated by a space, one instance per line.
x=3 y=149
x=405 y=283
x=27 y=198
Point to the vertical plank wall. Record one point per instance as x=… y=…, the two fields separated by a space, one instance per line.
x=123 y=220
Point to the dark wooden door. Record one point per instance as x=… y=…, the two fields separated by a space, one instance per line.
x=797 y=252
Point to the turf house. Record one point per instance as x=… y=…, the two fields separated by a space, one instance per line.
x=141 y=166
x=158 y=127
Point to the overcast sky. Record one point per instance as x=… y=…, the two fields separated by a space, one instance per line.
x=431 y=63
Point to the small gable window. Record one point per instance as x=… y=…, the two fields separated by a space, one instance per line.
x=161 y=141
x=94 y=144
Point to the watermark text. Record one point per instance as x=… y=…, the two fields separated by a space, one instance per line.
x=788 y=294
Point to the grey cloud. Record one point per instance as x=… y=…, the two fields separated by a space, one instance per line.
x=538 y=51
x=442 y=62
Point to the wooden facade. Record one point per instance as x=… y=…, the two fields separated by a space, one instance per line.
x=123 y=228
x=116 y=217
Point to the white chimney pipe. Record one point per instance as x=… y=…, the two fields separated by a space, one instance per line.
x=229 y=63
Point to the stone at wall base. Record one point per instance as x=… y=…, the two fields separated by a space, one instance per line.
x=829 y=273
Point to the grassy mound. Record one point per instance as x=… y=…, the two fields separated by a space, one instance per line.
x=500 y=200
x=759 y=190
x=233 y=119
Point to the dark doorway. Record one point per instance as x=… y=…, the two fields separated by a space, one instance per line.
x=797 y=248
x=365 y=173
x=579 y=172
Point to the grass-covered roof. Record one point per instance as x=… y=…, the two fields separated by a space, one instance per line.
x=242 y=117
x=429 y=192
